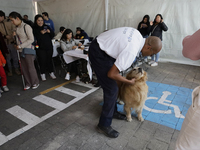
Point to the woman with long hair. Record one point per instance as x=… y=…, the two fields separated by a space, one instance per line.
x=24 y=40
x=143 y=26
x=44 y=48
x=68 y=43
x=155 y=29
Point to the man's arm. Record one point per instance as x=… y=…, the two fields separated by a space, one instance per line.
x=113 y=73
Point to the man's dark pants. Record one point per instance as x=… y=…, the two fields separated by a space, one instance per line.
x=101 y=64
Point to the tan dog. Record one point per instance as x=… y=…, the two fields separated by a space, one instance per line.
x=134 y=96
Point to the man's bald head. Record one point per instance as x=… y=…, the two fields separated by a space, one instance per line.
x=155 y=43
x=152 y=46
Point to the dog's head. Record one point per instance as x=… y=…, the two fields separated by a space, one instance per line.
x=138 y=74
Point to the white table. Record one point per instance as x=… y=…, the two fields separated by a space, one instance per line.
x=56 y=44
x=85 y=41
x=72 y=55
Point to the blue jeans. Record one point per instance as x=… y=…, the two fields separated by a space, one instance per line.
x=157 y=56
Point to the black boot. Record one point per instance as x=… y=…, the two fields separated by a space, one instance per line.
x=97 y=84
x=108 y=131
x=119 y=116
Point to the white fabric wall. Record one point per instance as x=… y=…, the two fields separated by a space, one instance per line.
x=87 y=14
x=21 y=6
x=181 y=17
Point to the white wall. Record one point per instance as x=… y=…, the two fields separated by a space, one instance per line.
x=87 y=14
x=21 y=6
x=181 y=17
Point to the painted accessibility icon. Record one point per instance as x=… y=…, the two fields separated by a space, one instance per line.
x=164 y=101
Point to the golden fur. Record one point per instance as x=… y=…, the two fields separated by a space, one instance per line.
x=134 y=96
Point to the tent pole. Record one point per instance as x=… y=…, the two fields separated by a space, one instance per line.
x=106 y=14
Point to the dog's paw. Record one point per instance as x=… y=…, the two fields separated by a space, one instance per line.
x=120 y=102
x=140 y=119
x=129 y=119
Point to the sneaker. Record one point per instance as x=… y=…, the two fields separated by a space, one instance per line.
x=9 y=74
x=35 y=86
x=26 y=88
x=77 y=79
x=151 y=62
x=52 y=75
x=1 y=91
x=67 y=77
x=146 y=60
x=5 y=88
x=43 y=77
x=17 y=71
x=154 y=64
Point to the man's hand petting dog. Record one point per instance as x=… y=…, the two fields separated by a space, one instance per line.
x=132 y=81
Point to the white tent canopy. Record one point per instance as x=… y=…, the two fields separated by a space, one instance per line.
x=94 y=16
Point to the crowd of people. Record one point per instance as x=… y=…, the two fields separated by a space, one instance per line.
x=33 y=39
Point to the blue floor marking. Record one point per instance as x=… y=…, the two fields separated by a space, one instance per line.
x=174 y=97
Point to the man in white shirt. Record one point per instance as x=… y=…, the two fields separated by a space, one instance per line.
x=110 y=53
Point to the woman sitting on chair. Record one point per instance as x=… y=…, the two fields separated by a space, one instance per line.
x=68 y=43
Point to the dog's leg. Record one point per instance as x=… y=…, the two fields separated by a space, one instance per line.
x=139 y=113
x=128 y=113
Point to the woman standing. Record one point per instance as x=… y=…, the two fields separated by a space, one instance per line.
x=44 y=47
x=143 y=26
x=24 y=40
x=68 y=43
x=155 y=29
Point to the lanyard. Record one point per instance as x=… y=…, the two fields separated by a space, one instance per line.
x=19 y=39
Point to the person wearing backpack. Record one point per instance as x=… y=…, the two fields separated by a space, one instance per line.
x=155 y=29
x=24 y=39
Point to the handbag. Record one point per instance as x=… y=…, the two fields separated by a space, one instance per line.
x=29 y=51
x=25 y=51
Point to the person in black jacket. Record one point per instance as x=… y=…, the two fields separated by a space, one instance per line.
x=143 y=26
x=81 y=34
x=44 y=47
x=155 y=29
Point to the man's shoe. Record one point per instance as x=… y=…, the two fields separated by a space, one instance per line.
x=9 y=74
x=108 y=131
x=119 y=116
x=97 y=85
x=17 y=71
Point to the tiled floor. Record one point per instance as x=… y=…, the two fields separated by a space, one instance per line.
x=74 y=127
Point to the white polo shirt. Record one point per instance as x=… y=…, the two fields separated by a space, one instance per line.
x=123 y=44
